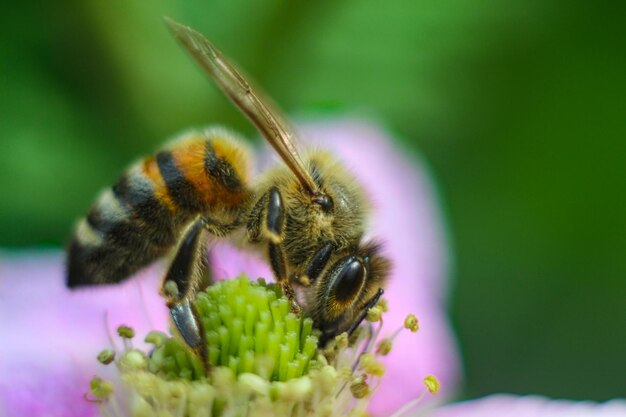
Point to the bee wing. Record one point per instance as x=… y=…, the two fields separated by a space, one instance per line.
x=257 y=108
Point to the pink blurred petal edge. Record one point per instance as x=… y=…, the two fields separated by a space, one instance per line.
x=505 y=405
x=51 y=336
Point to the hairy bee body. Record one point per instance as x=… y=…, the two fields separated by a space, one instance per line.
x=140 y=218
x=144 y=215
x=307 y=215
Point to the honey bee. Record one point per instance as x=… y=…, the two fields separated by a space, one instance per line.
x=307 y=216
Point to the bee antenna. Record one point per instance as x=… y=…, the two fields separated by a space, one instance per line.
x=371 y=303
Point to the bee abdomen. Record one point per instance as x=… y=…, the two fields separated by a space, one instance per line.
x=140 y=218
x=127 y=228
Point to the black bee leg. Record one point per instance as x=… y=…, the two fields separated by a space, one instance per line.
x=277 y=261
x=371 y=303
x=218 y=229
x=315 y=265
x=179 y=286
x=273 y=229
x=274 y=217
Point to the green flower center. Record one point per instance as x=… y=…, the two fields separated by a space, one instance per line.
x=248 y=328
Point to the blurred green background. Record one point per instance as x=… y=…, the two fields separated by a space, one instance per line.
x=519 y=107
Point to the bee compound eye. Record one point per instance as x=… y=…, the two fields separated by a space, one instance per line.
x=349 y=280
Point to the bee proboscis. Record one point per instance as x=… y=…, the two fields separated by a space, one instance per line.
x=307 y=216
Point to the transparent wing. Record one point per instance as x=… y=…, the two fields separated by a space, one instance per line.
x=272 y=126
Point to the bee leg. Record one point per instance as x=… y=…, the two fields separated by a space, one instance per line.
x=274 y=222
x=179 y=286
x=218 y=229
x=277 y=261
x=370 y=303
x=274 y=217
x=315 y=265
x=254 y=224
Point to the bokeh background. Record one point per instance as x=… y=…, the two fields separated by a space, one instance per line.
x=519 y=107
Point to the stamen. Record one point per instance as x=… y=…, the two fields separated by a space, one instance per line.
x=156 y=338
x=359 y=387
x=411 y=323
x=384 y=347
x=374 y=314
x=106 y=356
x=126 y=332
x=432 y=384
x=101 y=388
x=371 y=365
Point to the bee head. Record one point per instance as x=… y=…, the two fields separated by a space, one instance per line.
x=348 y=288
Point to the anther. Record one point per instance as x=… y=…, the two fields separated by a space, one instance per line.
x=372 y=366
x=156 y=338
x=374 y=314
x=126 y=332
x=411 y=323
x=106 y=356
x=384 y=347
x=359 y=387
x=100 y=388
x=432 y=384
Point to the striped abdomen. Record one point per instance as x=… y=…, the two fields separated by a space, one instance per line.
x=140 y=218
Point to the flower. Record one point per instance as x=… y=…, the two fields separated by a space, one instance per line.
x=51 y=336
x=264 y=361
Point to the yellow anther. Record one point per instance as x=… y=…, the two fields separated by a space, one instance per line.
x=371 y=366
x=384 y=347
x=101 y=388
x=374 y=314
x=411 y=323
x=432 y=384
x=342 y=340
x=382 y=303
x=359 y=387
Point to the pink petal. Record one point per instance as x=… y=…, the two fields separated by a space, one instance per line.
x=406 y=217
x=229 y=262
x=51 y=336
x=532 y=406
